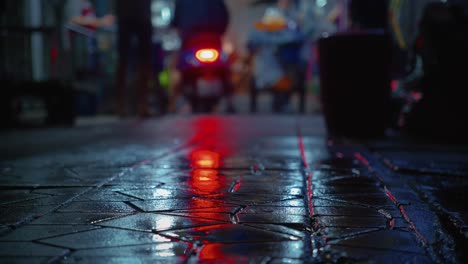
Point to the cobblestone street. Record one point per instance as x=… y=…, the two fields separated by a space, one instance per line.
x=222 y=189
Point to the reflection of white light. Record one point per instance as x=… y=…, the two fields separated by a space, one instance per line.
x=159 y=239
x=295 y=191
x=321 y=3
x=161 y=193
x=164 y=222
x=296 y=203
x=166 y=248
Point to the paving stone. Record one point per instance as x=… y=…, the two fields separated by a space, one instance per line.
x=60 y=191
x=228 y=233
x=326 y=180
x=428 y=162
x=291 y=228
x=76 y=218
x=104 y=237
x=12 y=196
x=36 y=232
x=97 y=206
x=45 y=201
x=334 y=233
x=157 y=222
x=350 y=211
x=176 y=204
x=162 y=250
x=105 y=195
x=255 y=198
x=219 y=210
x=273 y=218
x=262 y=209
x=389 y=240
x=29 y=249
x=24 y=260
x=297 y=202
x=284 y=162
x=218 y=251
x=45 y=176
x=344 y=190
x=295 y=189
x=371 y=200
x=156 y=194
x=250 y=209
x=327 y=202
x=220 y=217
x=13 y=215
x=373 y=255
x=122 y=260
x=346 y=221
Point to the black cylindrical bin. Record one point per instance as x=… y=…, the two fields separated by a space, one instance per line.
x=355 y=83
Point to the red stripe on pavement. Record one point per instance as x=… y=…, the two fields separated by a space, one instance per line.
x=310 y=174
x=389 y=194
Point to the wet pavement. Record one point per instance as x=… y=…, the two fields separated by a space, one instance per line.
x=265 y=189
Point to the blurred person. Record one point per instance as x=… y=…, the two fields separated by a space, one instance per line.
x=193 y=17
x=134 y=22
x=297 y=65
x=275 y=44
x=88 y=19
x=289 y=9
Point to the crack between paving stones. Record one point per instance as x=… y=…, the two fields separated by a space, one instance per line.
x=348 y=202
x=274 y=231
x=136 y=208
x=363 y=160
x=193 y=253
x=130 y=196
x=313 y=243
x=39 y=241
x=448 y=223
x=355 y=234
x=383 y=250
x=234 y=186
x=58 y=259
x=234 y=215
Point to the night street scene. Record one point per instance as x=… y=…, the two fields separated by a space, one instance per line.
x=233 y=131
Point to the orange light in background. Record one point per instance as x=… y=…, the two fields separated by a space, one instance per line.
x=205 y=159
x=207 y=55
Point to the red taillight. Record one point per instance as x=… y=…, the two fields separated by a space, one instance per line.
x=205 y=159
x=207 y=55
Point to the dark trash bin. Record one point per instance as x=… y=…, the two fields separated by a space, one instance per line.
x=355 y=83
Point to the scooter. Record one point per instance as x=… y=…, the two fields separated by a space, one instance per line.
x=205 y=72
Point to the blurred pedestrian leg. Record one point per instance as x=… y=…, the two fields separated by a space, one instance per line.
x=134 y=22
